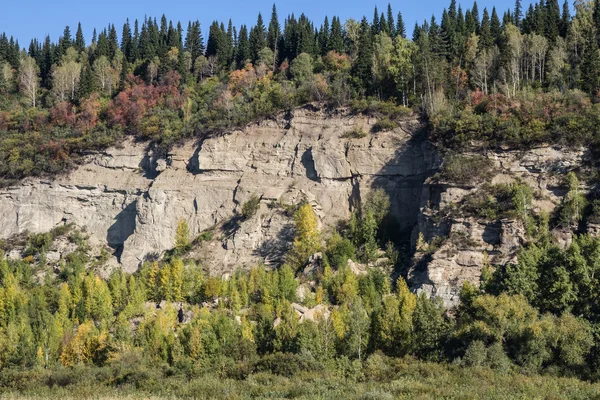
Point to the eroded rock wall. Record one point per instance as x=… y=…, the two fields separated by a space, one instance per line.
x=467 y=243
x=131 y=199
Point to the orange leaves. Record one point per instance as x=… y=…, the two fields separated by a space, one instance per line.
x=337 y=62
x=138 y=100
x=241 y=79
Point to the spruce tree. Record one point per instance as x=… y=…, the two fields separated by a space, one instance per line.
x=470 y=25
x=336 y=42
x=596 y=19
x=86 y=81
x=364 y=59
x=257 y=39
x=400 y=28
x=486 y=39
x=126 y=41
x=64 y=42
x=79 y=40
x=390 y=21
x=324 y=37
x=590 y=66
x=495 y=27
x=243 y=48
x=518 y=14
x=565 y=20
x=113 y=42
x=552 y=19
x=193 y=40
x=274 y=30
x=375 y=24
x=475 y=15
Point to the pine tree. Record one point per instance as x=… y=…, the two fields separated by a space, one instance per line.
x=475 y=15
x=79 y=40
x=552 y=19
x=243 y=48
x=113 y=42
x=375 y=24
x=274 y=30
x=486 y=40
x=64 y=42
x=126 y=41
x=337 y=39
x=193 y=40
x=86 y=81
x=364 y=60
x=495 y=27
x=323 y=37
x=257 y=40
x=565 y=20
x=400 y=28
x=518 y=14
x=391 y=27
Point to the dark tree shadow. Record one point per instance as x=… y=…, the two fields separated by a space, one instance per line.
x=122 y=229
x=274 y=250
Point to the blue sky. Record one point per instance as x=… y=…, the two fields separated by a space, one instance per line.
x=36 y=18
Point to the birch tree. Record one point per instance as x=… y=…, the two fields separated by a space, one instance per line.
x=29 y=79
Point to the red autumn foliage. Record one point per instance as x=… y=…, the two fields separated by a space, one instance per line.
x=63 y=114
x=89 y=113
x=138 y=99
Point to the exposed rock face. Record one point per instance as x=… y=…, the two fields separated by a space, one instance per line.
x=131 y=199
x=468 y=243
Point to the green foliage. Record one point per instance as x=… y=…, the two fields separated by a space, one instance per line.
x=182 y=237
x=250 y=207
x=466 y=170
x=384 y=125
x=356 y=133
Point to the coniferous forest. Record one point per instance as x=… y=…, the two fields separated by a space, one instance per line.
x=478 y=79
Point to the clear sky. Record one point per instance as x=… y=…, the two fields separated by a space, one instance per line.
x=27 y=19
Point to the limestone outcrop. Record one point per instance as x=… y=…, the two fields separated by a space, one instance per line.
x=130 y=197
x=464 y=245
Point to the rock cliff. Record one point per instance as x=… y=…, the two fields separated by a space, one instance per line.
x=130 y=198
x=465 y=244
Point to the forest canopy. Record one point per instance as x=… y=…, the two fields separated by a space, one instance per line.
x=477 y=74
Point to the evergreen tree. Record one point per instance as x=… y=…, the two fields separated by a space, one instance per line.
x=486 y=39
x=518 y=14
x=126 y=42
x=590 y=66
x=475 y=15
x=274 y=30
x=193 y=40
x=135 y=42
x=400 y=28
x=364 y=60
x=243 y=48
x=375 y=24
x=257 y=40
x=552 y=20
x=323 y=37
x=64 y=42
x=495 y=27
x=86 y=81
x=79 y=40
x=113 y=42
x=336 y=42
x=565 y=20
x=391 y=27
x=470 y=25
